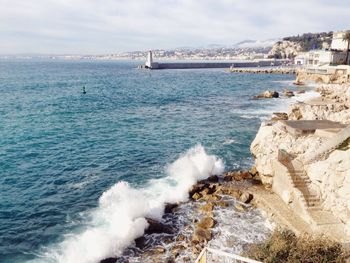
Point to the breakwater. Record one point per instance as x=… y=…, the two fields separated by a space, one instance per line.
x=202 y=65
x=265 y=70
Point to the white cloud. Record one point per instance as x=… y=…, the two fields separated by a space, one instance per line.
x=91 y=26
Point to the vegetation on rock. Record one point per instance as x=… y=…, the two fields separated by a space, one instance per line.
x=285 y=246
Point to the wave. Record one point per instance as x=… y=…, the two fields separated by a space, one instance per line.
x=121 y=214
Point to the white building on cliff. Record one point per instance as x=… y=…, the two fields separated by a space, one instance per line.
x=336 y=55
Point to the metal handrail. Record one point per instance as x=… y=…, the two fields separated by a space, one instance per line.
x=203 y=256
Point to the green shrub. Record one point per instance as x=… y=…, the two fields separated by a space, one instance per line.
x=284 y=246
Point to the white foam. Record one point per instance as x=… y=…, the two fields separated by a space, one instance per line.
x=120 y=216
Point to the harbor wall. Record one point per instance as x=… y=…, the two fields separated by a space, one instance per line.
x=202 y=65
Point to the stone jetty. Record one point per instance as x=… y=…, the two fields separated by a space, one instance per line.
x=265 y=70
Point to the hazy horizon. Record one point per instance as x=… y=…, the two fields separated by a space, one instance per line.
x=90 y=28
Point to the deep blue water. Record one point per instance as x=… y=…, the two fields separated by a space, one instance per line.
x=61 y=149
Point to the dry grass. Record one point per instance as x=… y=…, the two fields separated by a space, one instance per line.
x=284 y=246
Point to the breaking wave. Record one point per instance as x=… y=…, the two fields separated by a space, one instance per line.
x=122 y=211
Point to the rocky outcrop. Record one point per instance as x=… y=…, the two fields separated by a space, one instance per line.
x=267 y=95
x=285 y=49
x=305 y=76
x=328 y=177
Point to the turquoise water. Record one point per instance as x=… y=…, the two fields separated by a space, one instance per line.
x=61 y=149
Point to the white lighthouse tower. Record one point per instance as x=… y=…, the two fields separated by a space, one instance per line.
x=149 y=61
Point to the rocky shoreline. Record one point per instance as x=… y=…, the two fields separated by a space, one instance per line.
x=179 y=239
x=186 y=228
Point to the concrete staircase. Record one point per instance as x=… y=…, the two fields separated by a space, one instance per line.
x=310 y=204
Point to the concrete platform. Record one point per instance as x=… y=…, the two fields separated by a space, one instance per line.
x=305 y=127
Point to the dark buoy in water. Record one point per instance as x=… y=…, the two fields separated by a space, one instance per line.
x=84 y=91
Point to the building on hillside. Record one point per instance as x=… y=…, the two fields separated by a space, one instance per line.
x=336 y=55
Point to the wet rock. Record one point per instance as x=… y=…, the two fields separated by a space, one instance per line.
x=158 y=250
x=213 y=179
x=222 y=203
x=157 y=227
x=288 y=93
x=141 y=242
x=279 y=116
x=300 y=91
x=201 y=235
x=109 y=260
x=231 y=191
x=169 y=208
x=246 y=198
x=209 y=190
x=177 y=249
x=196 y=196
x=197 y=188
x=206 y=222
x=170 y=260
x=240 y=207
x=267 y=95
x=208 y=207
x=180 y=238
x=253 y=171
x=212 y=197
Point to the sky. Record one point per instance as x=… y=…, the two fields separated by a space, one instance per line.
x=112 y=26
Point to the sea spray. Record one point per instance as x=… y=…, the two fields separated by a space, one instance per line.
x=122 y=211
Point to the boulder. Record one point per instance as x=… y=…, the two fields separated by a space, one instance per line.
x=141 y=242
x=196 y=196
x=267 y=95
x=246 y=198
x=208 y=207
x=213 y=179
x=205 y=223
x=197 y=188
x=222 y=203
x=169 y=208
x=288 y=93
x=157 y=227
x=279 y=116
x=109 y=260
x=240 y=207
x=201 y=235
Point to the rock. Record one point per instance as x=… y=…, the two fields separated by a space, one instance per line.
x=159 y=250
x=280 y=116
x=213 y=179
x=169 y=208
x=208 y=207
x=253 y=171
x=296 y=114
x=222 y=203
x=109 y=260
x=141 y=242
x=300 y=91
x=180 y=238
x=170 y=260
x=246 y=198
x=206 y=222
x=240 y=207
x=157 y=227
x=298 y=83
x=231 y=191
x=267 y=95
x=288 y=93
x=212 y=197
x=201 y=235
x=197 y=188
x=208 y=191
x=196 y=196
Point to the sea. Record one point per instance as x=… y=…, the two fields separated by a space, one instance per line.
x=79 y=172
